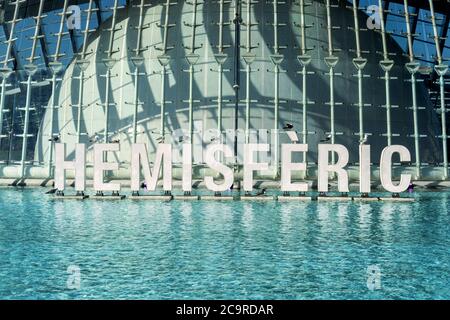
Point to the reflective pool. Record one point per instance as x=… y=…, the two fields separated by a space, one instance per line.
x=223 y=250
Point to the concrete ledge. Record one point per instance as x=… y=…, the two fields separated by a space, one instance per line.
x=70 y=197
x=401 y=199
x=38 y=182
x=121 y=197
x=294 y=198
x=186 y=198
x=366 y=199
x=149 y=197
x=322 y=198
x=10 y=182
x=217 y=198
x=257 y=198
x=7 y=182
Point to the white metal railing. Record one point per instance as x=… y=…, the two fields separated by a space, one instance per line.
x=386 y=64
x=30 y=69
x=5 y=72
x=55 y=67
x=441 y=69
x=413 y=67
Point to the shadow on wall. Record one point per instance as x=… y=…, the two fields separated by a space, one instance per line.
x=262 y=89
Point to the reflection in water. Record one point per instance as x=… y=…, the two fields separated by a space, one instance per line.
x=163 y=213
x=247 y=216
x=58 y=210
x=134 y=214
x=222 y=250
x=403 y=215
x=310 y=224
x=186 y=212
x=286 y=213
x=323 y=217
x=342 y=212
x=386 y=213
x=363 y=225
x=96 y=211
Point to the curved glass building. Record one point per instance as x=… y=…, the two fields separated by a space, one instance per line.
x=194 y=71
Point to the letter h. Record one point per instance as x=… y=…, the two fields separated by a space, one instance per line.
x=79 y=166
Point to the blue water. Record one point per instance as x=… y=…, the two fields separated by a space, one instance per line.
x=233 y=250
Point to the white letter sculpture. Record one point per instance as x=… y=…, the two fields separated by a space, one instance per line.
x=79 y=165
x=324 y=167
x=187 y=167
x=364 y=168
x=100 y=166
x=250 y=165
x=386 y=168
x=287 y=167
x=139 y=155
x=226 y=172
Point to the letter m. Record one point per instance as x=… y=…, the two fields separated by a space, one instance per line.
x=163 y=158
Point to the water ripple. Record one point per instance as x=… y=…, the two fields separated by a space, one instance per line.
x=236 y=250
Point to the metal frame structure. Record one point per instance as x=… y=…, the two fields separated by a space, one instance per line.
x=249 y=58
x=386 y=65
x=82 y=63
x=138 y=60
x=164 y=60
x=56 y=67
x=109 y=62
x=331 y=60
x=439 y=84
x=304 y=59
x=30 y=69
x=221 y=58
x=192 y=59
x=277 y=58
x=360 y=63
x=237 y=21
x=441 y=70
x=413 y=67
x=5 y=71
